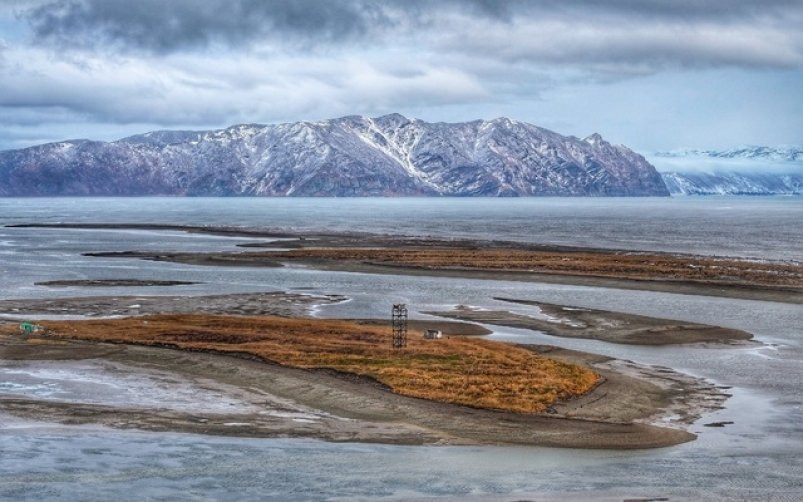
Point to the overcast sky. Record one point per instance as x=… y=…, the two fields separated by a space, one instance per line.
x=654 y=75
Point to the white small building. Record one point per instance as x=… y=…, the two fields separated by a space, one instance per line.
x=433 y=334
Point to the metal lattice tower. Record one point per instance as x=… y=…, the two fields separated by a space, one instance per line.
x=399 y=316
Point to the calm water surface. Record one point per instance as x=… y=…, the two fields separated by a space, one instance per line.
x=759 y=457
x=770 y=227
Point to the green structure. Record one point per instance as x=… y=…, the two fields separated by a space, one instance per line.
x=27 y=328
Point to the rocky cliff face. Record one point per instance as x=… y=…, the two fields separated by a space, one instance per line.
x=349 y=156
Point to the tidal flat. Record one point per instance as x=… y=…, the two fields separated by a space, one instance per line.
x=619 y=408
x=751 y=388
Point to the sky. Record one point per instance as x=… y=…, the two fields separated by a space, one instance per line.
x=653 y=75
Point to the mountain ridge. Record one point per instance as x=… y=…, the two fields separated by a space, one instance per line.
x=390 y=155
x=733 y=183
x=745 y=170
x=757 y=152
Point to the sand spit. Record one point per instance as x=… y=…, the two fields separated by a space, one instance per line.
x=609 y=326
x=643 y=393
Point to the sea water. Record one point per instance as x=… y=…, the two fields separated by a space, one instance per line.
x=762 y=227
x=759 y=456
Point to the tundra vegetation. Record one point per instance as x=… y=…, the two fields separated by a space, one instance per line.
x=464 y=371
x=622 y=265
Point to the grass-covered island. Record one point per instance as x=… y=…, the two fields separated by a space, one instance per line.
x=340 y=380
x=458 y=370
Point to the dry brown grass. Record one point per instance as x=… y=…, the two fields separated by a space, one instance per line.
x=603 y=264
x=471 y=372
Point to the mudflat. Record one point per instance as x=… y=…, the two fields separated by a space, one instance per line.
x=291 y=402
x=268 y=303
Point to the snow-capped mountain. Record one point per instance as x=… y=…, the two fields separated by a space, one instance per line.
x=349 y=156
x=757 y=170
x=733 y=183
x=762 y=153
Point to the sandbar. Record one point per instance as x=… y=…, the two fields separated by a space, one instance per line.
x=593 y=324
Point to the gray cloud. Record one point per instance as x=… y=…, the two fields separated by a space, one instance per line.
x=211 y=63
x=611 y=50
x=572 y=32
x=159 y=26
x=199 y=90
x=689 y=10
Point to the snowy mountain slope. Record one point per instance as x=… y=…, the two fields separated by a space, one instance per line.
x=740 y=171
x=348 y=156
x=763 y=153
x=734 y=183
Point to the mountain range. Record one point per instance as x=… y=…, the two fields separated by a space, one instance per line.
x=756 y=170
x=761 y=153
x=349 y=156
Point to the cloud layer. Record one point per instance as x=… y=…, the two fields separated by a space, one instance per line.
x=683 y=32
x=210 y=63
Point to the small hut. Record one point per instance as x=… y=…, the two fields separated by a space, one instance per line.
x=433 y=334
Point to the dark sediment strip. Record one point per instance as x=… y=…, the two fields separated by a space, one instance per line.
x=106 y=283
